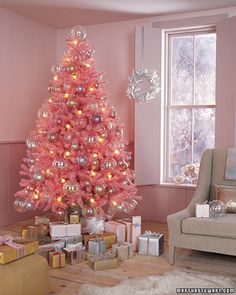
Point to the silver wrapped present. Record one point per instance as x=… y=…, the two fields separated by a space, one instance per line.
x=96 y=246
x=151 y=244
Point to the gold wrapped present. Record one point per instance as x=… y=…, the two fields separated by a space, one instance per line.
x=74 y=218
x=103 y=261
x=123 y=251
x=57 y=259
x=109 y=239
x=41 y=220
x=12 y=250
x=74 y=255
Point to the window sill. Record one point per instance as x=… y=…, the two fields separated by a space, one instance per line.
x=178 y=185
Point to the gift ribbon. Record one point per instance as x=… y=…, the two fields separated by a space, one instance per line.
x=8 y=240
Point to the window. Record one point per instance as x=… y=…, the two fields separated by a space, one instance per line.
x=189 y=97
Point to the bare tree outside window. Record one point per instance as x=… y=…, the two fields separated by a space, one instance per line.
x=190 y=99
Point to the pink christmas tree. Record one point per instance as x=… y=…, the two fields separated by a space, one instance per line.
x=76 y=153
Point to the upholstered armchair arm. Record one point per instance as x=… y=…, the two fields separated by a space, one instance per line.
x=174 y=223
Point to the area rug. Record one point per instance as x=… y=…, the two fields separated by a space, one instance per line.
x=172 y=282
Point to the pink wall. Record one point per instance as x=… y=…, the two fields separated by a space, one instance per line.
x=27 y=52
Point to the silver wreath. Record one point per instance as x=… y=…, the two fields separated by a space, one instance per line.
x=144 y=85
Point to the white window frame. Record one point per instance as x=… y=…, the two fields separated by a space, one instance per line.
x=167 y=34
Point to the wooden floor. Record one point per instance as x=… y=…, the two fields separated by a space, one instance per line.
x=66 y=281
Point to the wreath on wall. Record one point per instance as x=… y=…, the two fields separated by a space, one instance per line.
x=144 y=85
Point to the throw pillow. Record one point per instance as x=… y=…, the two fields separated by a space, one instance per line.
x=226 y=194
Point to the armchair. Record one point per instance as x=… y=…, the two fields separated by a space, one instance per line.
x=204 y=234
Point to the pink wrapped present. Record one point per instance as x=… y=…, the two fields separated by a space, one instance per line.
x=117 y=228
x=128 y=229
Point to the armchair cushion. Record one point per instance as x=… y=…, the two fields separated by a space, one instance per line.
x=222 y=227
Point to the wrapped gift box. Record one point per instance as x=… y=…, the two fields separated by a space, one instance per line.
x=57 y=259
x=132 y=230
x=58 y=230
x=41 y=220
x=74 y=218
x=136 y=231
x=202 y=210
x=24 y=248
x=72 y=240
x=109 y=239
x=32 y=232
x=123 y=251
x=151 y=244
x=117 y=228
x=103 y=261
x=96 y=246
x=49 y=245
x=74 y=254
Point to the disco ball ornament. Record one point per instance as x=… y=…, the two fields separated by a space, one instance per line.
x=82 y=160
x=88 y=212
x=38 y=176
x=217 y=209
x=31 y=144
x=79 y=32
x=99 y=189
x=109 y=164
x=59 y=163
x=19 y=205
x=130 y=205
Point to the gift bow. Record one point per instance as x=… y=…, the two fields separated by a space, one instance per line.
x=150 y=234
x=8 y=240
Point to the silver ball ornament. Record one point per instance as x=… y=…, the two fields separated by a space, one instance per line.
x=38 y=176
x=60 y=212
x=78 y=31
x=91 y=139
x=82 y=160
x=109 y=164
x=19 y=205
x=31 y=144
x=80 y=89
x=71 y=103
x=130 y=205
x=29 y=205
x=59 y=163
x=88 y=212
x=71 y=187
x=74 y=146
x=99 y=189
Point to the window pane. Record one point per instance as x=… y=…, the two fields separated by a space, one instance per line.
x=204 y=131
x=182 y=70
x=180 y=140
x=205 y=64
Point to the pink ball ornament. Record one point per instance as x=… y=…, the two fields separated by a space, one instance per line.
x=82 y=122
